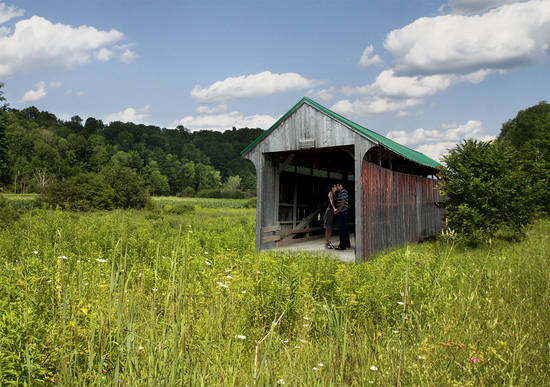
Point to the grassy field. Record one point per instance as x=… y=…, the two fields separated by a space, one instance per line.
x=154 y=298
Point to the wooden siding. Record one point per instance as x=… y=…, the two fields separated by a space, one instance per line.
x=397 y=208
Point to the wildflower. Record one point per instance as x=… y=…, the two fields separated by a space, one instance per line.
x=154 y=289
x=315 y=369
x=62 y=257
x=395 y=331
x=297 y=347
x=240 y=337
x=35 y=252
x=307 y=318
x=281 y=381
x=207 y=263
x=140 y=348
x=50 y=281
x=373 y=368
x=228 y=270
x=101 y=260
x=228 y=277
x=222 y=285
x=243 y=291
x=399 y=302
x=421 y=357
x=78 y=261
x=285 y=341
x=320 y=365
x=206 y=252
x=474 y=360
x=371 y=381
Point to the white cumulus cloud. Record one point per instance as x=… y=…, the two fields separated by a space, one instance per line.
x=435 y=143
x=38 y=43
x=8 y=12
x=510 y=36
x=211 y=109
x=35 y=94
x=130 y=115
x=254 y=85
x=367 y=60
x=368 y=105
x=323 y=94
x=226 y=121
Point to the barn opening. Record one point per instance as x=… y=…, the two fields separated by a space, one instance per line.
x=304 y=178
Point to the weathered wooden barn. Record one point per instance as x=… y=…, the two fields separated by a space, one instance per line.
x=392 y=188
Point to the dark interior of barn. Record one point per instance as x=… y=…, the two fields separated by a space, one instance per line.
x=304 y=181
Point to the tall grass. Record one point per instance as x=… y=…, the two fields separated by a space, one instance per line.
x=138 y=298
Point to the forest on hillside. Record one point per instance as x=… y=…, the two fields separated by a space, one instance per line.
x=37 y=148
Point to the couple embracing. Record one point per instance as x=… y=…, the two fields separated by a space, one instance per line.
x=337 y=207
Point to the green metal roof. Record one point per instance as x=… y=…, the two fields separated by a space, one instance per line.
x=408 y=153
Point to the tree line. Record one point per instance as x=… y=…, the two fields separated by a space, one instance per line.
x=38 y=149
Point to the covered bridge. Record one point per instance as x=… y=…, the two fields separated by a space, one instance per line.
x=392 y=188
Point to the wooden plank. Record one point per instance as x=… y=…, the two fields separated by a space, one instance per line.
x=303 y=223
x=272 y=228
x=271 y=238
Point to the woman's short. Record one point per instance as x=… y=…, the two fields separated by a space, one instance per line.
x=328 y=219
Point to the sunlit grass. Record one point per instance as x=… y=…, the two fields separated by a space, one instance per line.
x=149 y=298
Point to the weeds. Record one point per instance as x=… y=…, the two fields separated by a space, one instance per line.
x=122 y=298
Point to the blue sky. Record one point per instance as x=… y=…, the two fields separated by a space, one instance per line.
x=425 y=73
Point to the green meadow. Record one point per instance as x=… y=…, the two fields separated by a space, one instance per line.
x=176 y=296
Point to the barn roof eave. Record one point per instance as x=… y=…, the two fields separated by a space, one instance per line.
x=402 y=150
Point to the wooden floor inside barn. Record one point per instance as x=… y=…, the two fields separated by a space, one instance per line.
x=317 y=246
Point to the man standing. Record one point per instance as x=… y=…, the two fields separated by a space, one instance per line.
x=342 y=214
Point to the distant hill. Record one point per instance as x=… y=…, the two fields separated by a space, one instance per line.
x=36 y=148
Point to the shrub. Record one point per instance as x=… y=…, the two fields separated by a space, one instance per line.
x=9 y=214
x=129 y=187
x=250 y=203
x=179 y=209
x=83 y=192
x=487 y=190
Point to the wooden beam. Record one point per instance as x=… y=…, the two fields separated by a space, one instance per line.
x=303 y=223
x=286 y=162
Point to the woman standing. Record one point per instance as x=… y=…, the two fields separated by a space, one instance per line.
x=328 y=218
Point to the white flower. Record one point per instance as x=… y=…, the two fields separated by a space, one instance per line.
x=228 y=270
x=206 y=252
x=371 y=381
x=421 y=357
x=101 y=260
x=78 y=261
x=307 y=318
x=154 y=289
x=240 y=337
x=399 y=302
x=207 y=263
x=50 y=281
x=62 y=257
x=320 y=365
x=297 y=346
x=228 y=277
x=222 y=285
x=140 y=348
x=35 y=252
x=395 y=331
x=243 y=291
x=281 y=381
x=373 y=368
x=285 y=341
x=315 y=369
